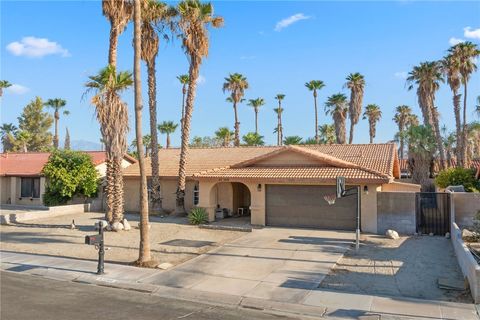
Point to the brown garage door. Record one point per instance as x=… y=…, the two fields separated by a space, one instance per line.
x=304 y=206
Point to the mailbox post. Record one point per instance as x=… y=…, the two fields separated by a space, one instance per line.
x=97 y=241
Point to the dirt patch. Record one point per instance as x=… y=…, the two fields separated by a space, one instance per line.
x=172 y=240
x=408 y=267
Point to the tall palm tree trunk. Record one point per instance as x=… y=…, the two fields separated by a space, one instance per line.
x=112 y=49
x=281 y=129
x=237 y=125
x=193 y=73
x=144 y=249
x=152 y=103
x=458 y=126
x=371 y=130
x=350 y=138
x=168 y=140
x=465 y=155
x=256 y=121
x=317 y=138
x=184 y=91
x=402 y=144
x=55 y=138
x=438 y=137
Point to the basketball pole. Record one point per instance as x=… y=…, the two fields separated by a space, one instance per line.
x=357 y=232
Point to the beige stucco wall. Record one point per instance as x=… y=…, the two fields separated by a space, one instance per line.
x=4 y=189
x=465 y=206
x=11 y=189
x=168 y=189
x=400 y=187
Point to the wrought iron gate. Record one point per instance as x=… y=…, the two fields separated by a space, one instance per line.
x=433 y=212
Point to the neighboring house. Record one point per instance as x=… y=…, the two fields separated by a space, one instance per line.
x=21 y=178
x=279 y=186
x=406 y=174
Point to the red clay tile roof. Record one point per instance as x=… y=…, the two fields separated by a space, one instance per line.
x=32 y=163
x=475 y=163
x=365 y=161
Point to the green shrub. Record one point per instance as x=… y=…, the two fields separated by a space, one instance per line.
x=456 y=177
x=198 y=216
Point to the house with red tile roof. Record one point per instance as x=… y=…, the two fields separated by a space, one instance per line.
x=279 y=185
x=21 y=178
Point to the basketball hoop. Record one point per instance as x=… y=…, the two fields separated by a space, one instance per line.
x=330 y=198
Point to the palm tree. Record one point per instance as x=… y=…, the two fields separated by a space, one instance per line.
x=449 y=141
x=473 y=139
x=465 y=53
x=236 y=83
x=292 y=140
x=155 y=14
x=167 y=127
x=147 y=141
x=373 y=114
x=225 y=135
x=451 y=70
x=356 y=84
x=421 y=147
x=477 y=107
x=3 y=85
x=253 y=139
x=279 y=97
x=56 y=104
x=195 y=17
x=336 y=106
x=144 y=255
x=256 y=104
x=118 y=13
x=402 y=118
x=327 y=133
x=428 y=76
x=8 y=131
x=21 y=140
x=66 y=144
x=314 y=86
x=184 y=79
x=107 y=86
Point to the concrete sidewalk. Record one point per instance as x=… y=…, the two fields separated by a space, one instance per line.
x=317 y=303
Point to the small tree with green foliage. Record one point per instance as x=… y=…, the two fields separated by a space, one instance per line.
x=68 y=174
x=456 y=177
x=36 y=123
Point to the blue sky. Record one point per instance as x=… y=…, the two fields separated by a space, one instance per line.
x=324 y=40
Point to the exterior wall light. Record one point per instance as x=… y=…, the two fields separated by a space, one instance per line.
x=259 y=187
x=365 y=189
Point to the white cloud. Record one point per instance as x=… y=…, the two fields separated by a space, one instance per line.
x=401 y=74
x=468 y=32
x=36 y=48
x=453 y=41
x=17 y=89
x=201 y=80
x=290 y=20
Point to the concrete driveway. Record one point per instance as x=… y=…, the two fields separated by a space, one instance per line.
x=273 y=263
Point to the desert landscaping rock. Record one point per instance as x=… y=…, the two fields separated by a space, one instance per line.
x=126 y=225
x=392 y=234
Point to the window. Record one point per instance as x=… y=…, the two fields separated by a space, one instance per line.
x=30 y=188
x=196 y=195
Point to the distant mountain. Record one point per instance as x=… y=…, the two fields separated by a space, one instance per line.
x=85 y=145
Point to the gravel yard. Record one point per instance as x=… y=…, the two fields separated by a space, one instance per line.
x=172 y=240
x=408 y=267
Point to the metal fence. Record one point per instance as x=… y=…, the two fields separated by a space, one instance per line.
x=432 y=212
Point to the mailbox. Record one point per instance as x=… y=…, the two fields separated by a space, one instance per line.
x=97 y=241
x=93 y=240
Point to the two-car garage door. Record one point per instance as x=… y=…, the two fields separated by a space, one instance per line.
x=304 y=206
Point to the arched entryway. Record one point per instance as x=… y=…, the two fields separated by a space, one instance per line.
x=231 y=199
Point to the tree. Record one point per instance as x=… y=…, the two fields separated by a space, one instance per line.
x=205 y=142
x=66 y=144
x=477 y=107
x=112 y=115
x=356 y=84
x=279 y=97
x=56 y=104
x=144 y=255
x=22 y=139
x=225 y=135
x=147 y=142
x=314 y=86
x=465 y=53
x=253 y=139
x=473 y=140
x=451 y=69
x=69 y=173
x=118 y=13
x=184 y=79
x=449 y=143
x=428 y=76
x=336 y=106
x=36 y=123
x=157 y=15
x=167 y=127
x=236 y=84
x=3 y=85
x=403 y=118
x=194 y=19
x=292 y=140
x=327 y=134
x=256 y=104
x=8 y=131
x=421 y=147
x=457 y=177
x=373 y=114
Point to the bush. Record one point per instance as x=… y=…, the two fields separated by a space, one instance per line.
x=69 y=173
x=456 y=177
x=198 y=216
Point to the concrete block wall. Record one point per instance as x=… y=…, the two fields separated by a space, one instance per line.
x=38 y=212
x=465 y=205
x=396 y=210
